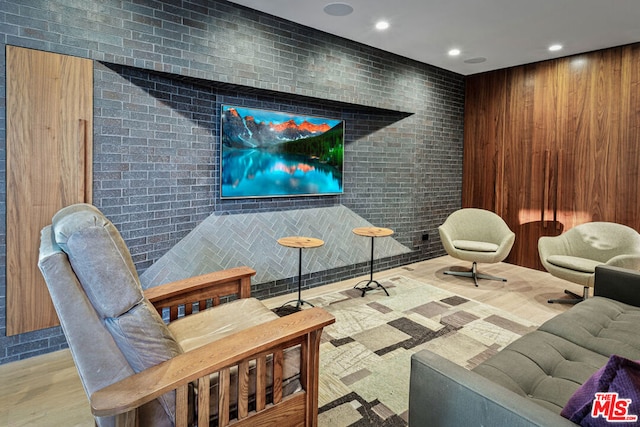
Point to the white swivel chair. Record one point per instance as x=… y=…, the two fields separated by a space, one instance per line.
x=476 y=235
x=574 y=255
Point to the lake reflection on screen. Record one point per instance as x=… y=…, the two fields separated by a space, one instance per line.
x=250 y=173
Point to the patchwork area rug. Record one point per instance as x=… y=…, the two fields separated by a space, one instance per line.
x=365 y=355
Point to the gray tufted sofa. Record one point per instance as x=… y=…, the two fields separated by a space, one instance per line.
x=529 y=382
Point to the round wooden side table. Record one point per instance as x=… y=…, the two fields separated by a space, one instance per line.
x=300 y=243
x=372 y=232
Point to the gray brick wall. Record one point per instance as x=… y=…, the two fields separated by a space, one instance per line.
x=162 y=70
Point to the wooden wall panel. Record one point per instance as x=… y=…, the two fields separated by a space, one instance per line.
x=592 y=139
x=627 y=175
x=530 y=162
x=569 y=141
x=483 y=133
x=49 y=140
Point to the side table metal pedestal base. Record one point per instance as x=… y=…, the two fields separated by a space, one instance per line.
x=372 y=232
x=300 y=243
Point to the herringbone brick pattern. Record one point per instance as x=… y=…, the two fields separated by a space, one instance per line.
x=225 y=241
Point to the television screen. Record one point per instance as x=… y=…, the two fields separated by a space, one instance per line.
x=275 y=154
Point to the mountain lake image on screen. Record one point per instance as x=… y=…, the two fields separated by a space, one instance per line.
x=276 y=154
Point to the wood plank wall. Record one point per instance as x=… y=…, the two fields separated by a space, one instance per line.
x=49 y=166
x=554 y=144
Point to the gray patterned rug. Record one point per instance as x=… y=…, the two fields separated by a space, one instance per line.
x=365 y=355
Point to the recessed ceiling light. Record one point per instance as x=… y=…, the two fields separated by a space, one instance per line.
x=338 y=9
x=454 y=52
x=382 y=25
x=555 y=47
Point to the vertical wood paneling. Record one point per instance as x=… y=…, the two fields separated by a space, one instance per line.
x=519 y=154
x=595 y=94
x=483 y=132
x=49 y=122
x=626 y=198
x=568 y=131
x=530 y=165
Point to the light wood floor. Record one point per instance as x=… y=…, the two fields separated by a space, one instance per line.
x=46 y=390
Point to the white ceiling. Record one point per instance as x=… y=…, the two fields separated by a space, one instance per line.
x=505 y=32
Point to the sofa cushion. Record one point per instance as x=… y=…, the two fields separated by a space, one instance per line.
x=143 y=337
x=542 y=367
x=583 y=265
x=472 y=245
x=600 y=324
x=619 y=375
x=97 y=357
x=73 y=218
x=104 y=267
x=100 y=258
x=218 y=322
x=145 y=341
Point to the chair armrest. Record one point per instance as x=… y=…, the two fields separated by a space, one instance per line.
x=505 y=245
x=628 y=261
x=445 y=233
x=447 y=395
x=234 y=281
x=617 y=283
x=136 y=390
x=551 y=245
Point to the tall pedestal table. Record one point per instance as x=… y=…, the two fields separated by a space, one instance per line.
x=372 y=232
x=300 y=243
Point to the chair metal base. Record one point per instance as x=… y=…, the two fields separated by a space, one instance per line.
x=576 y=298
x=474 y=274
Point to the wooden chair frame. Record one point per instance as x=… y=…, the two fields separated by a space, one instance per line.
x=255 y=344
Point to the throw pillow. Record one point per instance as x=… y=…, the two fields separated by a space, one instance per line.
x=612 y=394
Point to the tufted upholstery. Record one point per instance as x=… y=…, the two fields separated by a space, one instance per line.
x=543 y=367
x=548 y=365
x=600 y=325
x=528 y=382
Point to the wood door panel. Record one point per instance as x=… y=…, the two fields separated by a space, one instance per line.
x=569 y=145
x=529 y=167
x=483 y=134
x=626 y=198
x=49 y=122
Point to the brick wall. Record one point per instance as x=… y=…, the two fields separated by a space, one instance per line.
x=162 y=70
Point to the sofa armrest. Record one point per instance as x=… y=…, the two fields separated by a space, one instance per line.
x=618 y=283
x=212 y=286
x=303 y=328
x=447 y=395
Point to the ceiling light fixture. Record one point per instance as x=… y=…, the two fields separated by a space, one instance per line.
x=338 y=9
x=555 y=47
x=454 y=52
x=382 y=25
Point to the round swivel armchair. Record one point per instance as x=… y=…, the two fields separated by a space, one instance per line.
x=574 y=255
x=476 y=235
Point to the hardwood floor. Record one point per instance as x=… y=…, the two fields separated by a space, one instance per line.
x=46 y=390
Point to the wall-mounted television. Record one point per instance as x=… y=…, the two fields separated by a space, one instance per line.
x=276 y=154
